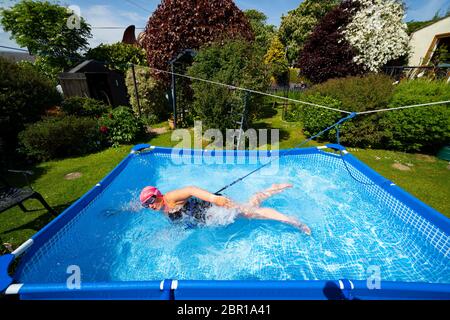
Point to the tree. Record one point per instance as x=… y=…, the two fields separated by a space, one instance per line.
x=262 y=31
x=326 y=53
x=177 y=25
x=299 y=24
x=276 y=60
x=42 y=27
x=235 y=63
x=118 y=55
x=378 y=33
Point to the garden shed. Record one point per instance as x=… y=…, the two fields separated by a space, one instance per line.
x=95 y=80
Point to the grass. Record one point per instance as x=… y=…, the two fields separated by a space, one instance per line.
x=428 y=178
x=291 y=133
x=48 y=179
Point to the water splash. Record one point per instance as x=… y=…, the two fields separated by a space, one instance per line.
x=218 y=216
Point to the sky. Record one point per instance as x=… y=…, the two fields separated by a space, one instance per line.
x=104 y=13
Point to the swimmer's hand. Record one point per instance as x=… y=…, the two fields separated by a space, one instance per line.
x=301 y=226
x=222 y=202
x=305 y=229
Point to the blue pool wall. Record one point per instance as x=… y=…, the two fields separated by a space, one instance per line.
x=223 y=290
x=235 y=290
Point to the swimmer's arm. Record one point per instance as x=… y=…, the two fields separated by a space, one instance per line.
x=185 y=193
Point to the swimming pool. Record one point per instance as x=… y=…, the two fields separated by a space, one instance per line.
x=361 y=223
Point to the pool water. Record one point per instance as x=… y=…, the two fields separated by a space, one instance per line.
x=115 y=239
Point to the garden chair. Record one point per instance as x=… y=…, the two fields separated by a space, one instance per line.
x=11 y=196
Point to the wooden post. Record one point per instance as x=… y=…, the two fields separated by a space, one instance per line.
x=136 y=91
x=174 y=96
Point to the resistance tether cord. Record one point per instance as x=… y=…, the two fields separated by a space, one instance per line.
x=351 y=115
x=337 y=124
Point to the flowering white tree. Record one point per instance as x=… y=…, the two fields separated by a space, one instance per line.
x=378 y=33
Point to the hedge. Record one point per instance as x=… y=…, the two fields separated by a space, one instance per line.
x=423 y=129
x=59 y=137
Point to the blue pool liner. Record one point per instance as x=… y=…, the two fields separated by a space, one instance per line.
x=167 y=289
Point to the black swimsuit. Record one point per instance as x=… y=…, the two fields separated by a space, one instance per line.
x=194 y=209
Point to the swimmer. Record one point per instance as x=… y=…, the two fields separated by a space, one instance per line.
x=193 y=202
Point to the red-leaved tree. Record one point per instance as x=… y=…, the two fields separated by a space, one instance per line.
x=326 y=53
x=177 y=25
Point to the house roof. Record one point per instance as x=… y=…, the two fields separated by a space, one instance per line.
x=90 y=66
x=79 y=67
x=17 y=56
x=430 y=24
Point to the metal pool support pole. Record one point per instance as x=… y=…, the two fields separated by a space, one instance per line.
x=241 y=123
x=5 y=262
x=5 y=279
x=187 y=52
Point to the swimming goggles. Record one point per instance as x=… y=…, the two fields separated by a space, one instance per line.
x=149 y=202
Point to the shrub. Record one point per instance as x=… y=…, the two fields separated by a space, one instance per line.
x=326 y=53
x=59 y=137
x=354 y=94
x=378 y=33
x=358 y=93
x=316 y=119
x=418 y=129
x=120 y=126
x=24 y=97
x=236 y=63
x=84 y=107
x=151 y=94
x=150 y=120
x=118 y=55
x=43 y=67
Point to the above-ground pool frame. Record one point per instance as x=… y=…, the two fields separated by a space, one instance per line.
x=171 y=289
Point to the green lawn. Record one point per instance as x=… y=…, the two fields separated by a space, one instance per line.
x=428 y=178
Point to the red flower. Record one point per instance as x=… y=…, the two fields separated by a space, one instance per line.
x=104 y=129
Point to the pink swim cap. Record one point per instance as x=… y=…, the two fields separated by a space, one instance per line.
x=149 y=192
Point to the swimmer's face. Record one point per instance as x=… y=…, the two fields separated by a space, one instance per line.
x=155 y=204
